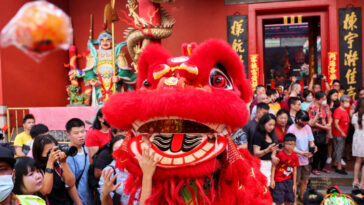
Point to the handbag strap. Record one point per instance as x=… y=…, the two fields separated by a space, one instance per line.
x=84 y=167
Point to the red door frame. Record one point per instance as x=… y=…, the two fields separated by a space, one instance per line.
x=326 y=9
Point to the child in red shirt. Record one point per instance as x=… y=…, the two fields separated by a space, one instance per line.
x=340 y=130
x=284 y=174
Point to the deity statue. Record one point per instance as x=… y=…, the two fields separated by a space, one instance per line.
x=101 y=77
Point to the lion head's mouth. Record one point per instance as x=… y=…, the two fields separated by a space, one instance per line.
x=179 y=142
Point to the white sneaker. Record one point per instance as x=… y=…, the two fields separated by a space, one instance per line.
x=343 y=162
x=329 y=160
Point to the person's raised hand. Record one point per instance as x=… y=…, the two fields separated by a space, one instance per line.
x=53 y=156
x=294 y=79
x=148 y=162
x=314 y=75
x=62 y=157
x=109 y=185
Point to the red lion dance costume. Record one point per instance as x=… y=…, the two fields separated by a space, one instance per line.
x=188 y=106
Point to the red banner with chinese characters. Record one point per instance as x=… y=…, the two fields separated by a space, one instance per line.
x=333 y=69
x=254 y=70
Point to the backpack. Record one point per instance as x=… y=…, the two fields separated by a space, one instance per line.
x=358 y=196
x=311 y=196
x=93 y=182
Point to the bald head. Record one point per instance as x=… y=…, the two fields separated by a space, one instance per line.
x=262 y=98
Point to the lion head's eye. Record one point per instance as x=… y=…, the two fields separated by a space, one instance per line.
x=218 y=79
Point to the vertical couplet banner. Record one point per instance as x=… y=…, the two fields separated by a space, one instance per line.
x=254 y=70
x=350 y=39
x=333 y=65
x=237 y=29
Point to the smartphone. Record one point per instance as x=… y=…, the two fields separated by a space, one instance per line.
x=311 y=149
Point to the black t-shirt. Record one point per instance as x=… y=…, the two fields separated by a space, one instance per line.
x=259 y=140
x=104 y=158
x=249 y=129
x=59 y=194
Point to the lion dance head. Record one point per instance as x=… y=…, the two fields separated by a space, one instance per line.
x=185 y=109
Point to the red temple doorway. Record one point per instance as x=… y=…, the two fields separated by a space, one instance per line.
x=291 y=48
x=292 y=39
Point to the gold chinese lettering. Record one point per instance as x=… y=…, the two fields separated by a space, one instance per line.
x=332 y=56
x=254 y=70
x=350 y=39
x=351 y=91
x=241 y=58
x=332 y=68
x=351 y=58
x=238 y=46
x=237 y=28
x=350 y=76
x=349 y=22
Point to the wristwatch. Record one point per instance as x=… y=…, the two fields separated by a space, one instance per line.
x=49 y=170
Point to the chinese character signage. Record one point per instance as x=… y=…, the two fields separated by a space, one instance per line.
x=254 y=70
x=333 y=66
x=350 y=50
x=237 y=28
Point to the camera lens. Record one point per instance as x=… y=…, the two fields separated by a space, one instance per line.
x=69 y=151
x=72 y=151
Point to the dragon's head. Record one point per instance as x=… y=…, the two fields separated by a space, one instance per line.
x=184 y=107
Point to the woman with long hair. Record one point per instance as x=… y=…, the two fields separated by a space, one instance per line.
x=98 y=135
x=265 y=144
x=358 y=143
x=333 y=102
x=55 y=170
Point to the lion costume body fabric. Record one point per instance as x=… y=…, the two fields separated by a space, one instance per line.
x=188 y=107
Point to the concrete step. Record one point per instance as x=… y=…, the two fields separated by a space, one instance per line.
x=322 y=182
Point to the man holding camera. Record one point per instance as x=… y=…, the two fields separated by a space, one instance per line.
x=79 y=163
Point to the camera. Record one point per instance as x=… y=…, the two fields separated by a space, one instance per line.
x=69 y=151
x=280 y=145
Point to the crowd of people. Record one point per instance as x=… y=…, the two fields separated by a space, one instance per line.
x=41 y=171
x=294 y=134
x=297 y=132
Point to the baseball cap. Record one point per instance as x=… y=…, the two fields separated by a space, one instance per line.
x=93 y=118
x=7 y=156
